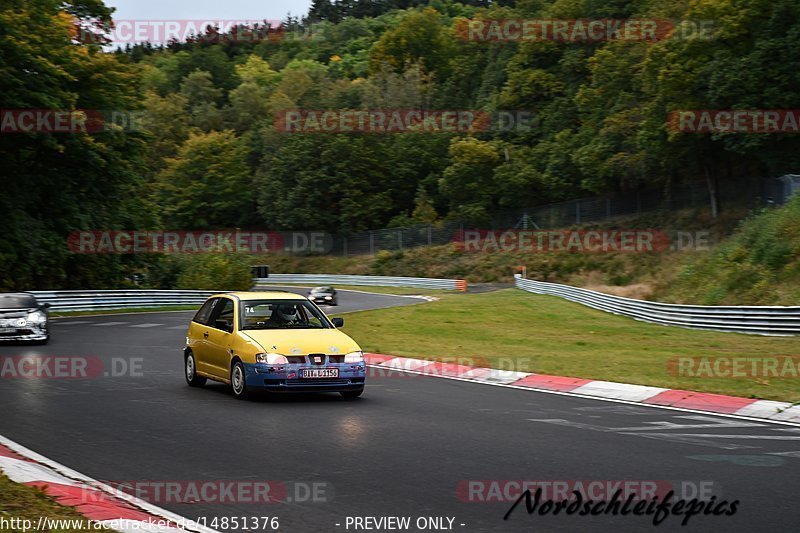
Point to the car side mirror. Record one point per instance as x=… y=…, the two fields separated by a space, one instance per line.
x=338 y=322
x=47 y=305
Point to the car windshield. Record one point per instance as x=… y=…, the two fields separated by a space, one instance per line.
x=17 y=301
x=282 y=314
x=322 y=290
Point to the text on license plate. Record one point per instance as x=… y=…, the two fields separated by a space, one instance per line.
x=319 y=373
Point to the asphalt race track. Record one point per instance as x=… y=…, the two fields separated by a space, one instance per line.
x=409 y=447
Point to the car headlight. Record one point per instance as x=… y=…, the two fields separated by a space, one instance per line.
x=37 y=317
x=271 y=359
x=354 y=357
x=329 y=298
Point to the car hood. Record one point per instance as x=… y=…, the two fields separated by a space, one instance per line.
x=15 y=313
x=303 y=341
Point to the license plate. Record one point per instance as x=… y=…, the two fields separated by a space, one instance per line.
x=319 y=373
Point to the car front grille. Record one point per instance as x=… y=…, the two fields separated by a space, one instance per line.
x=16 y=333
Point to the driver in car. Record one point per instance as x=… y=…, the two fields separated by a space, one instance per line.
x=285 y=315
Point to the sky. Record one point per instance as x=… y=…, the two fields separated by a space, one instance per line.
x=207 y=9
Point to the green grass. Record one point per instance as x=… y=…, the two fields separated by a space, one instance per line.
x=549 y=335
x=377 y=290
x=28 y=503
x=124 y=311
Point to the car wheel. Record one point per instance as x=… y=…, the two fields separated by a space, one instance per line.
x=238 y=382
x=352 y=393
x=190 y=372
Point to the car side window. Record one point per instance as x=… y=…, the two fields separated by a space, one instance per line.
x=222 y=316
x=203 y=315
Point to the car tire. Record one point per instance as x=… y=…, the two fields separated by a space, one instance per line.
x=349 y=394
x=238 y=381
x=190 y=372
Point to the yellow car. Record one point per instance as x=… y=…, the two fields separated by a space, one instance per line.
x=273 y=341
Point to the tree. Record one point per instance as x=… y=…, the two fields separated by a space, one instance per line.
x=207 y=185
x=202 y=97
x=419 y=38
x=54 y=184
x=468 y=181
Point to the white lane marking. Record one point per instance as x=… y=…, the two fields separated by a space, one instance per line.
x=700 y=439
x=73 y=322
x=715 y=436
x=93 y=483
x=599 y=399
x=787 y=454
x=20 y=471
x=146 y=325
x=710 y=423
x=622 y=391
x=105 y=324
x=179 y=327
x=763 y=408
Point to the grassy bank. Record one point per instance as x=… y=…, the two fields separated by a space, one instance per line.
x=750 y=261
x=164 y=309
x=28 y=503
x=551 y=336
x=378 y=290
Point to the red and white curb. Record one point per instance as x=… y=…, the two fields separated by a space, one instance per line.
x=98 y=502
x=780 y=412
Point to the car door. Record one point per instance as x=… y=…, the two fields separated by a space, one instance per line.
x=220 y=338
x=198 y=336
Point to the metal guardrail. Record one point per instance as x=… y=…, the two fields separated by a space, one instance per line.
x=759 y=320
x=61 y=301
x=133 y=299
x=367 y=281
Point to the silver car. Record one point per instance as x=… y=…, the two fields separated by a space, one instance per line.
x=23 y=318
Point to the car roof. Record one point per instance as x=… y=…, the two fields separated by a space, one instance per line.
x=265 y=295
x=18 y=294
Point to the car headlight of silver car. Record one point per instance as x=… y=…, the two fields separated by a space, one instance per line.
x=36 y=318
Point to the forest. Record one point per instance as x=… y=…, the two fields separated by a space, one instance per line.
x=206 y=152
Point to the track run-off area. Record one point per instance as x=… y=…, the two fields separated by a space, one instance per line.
x=449 y=452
